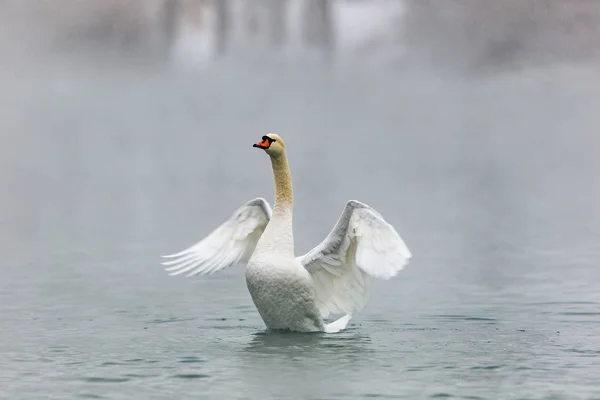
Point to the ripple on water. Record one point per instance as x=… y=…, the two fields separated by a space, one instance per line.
x=417 y=329
x=230 y=327
x=580 y=313
x=140 y=360
x=244 y=307
x=97 y=379
x=134 y=376
x=75 y=362
x=169 y=320
x=191 y=376
x=583 y=352
x=190 y=360
x=58 y=349
x=486 y=367
x=91 y=396
x=110 y=364
x=464 y=317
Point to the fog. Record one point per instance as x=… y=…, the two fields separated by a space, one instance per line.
x=471 y=126
x=97 y=122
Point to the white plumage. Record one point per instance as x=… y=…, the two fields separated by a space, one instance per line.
x=360 y=248
x=231 y=243
x=296 y=293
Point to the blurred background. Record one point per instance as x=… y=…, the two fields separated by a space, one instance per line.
x=467 y=34
x=471 y=125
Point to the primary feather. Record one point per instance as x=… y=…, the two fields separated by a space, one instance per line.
x=231 y=243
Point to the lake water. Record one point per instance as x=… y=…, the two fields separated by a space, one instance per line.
x=492 y=182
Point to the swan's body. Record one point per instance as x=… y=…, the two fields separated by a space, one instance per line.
x=296 y=293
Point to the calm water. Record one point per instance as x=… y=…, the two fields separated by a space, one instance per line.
x=493 y=184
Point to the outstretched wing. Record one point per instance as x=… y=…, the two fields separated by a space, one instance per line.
x=231 y=243
x=361 y=247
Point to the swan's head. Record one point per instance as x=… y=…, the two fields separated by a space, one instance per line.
x=272 y=144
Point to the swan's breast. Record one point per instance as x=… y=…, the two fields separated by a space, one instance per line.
x=283 y=294
x=274 y=273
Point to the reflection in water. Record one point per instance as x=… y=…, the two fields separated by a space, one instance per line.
x=290 y=344
x=314 y=358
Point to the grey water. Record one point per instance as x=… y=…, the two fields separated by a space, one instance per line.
x=492 y=182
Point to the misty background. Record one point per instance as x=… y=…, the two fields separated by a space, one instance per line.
x=471 y=126
x=470 y=35
x=135 y=91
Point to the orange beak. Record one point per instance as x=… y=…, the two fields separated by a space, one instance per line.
x=263 y=144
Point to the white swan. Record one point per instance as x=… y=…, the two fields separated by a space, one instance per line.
x=296 y=293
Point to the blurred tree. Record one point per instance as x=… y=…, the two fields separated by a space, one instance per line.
x=318 y=25
x=481 y=35
x=171 y=18
x=137 y=31
x=278 y=25
x=251 y=18
x=223 y=26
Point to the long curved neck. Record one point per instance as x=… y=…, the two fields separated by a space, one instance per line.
x=278 y=236
x=284 y=192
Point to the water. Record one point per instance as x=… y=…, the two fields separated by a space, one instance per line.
x=493 y=183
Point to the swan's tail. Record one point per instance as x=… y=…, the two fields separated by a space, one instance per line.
x=338 y=325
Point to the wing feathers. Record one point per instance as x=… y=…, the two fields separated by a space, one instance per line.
x=361 y=247
x=231 y=243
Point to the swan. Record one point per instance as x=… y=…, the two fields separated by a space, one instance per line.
x=297 y=293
